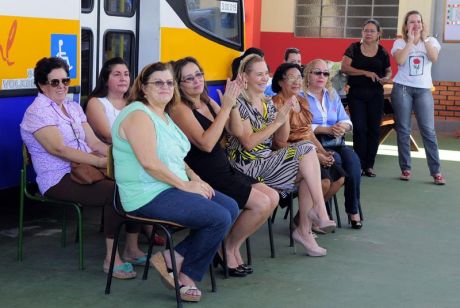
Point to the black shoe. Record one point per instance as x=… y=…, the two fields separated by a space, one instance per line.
x=369 y=172
x=355 y=224
x=232 y=271
x=246 y=268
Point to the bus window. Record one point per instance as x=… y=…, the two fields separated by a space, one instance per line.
x=119 y=7
x=119 y=44
x=218 y=18
x=86 y=63
x=87 y=6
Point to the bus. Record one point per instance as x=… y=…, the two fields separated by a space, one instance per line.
x=85 y=33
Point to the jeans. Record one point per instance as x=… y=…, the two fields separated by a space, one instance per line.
x=209 y=221
x=405 y=100
x=350 y=163
x=366 y=107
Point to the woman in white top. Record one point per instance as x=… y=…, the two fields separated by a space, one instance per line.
x=108 y=97
x=415 y=53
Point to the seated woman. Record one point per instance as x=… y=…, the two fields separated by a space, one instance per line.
x=105 y=103
x=155 y=182
x=330 y=118
x=287 y=83
x=284 y=169
x=203 y=122
x=56 y=133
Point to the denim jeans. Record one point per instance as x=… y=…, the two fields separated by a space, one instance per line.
x=405 y=100
x=209 y=221
x=366 y=108
x=350 y=163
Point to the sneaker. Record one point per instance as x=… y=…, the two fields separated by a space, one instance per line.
x=405 y=175
x=439 y=179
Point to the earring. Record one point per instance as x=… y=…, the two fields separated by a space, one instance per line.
x=245 y=85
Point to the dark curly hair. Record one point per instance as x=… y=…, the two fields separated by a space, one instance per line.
x=280 y=73
x=44 y=67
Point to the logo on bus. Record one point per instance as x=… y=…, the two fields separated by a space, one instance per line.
x=9 y=43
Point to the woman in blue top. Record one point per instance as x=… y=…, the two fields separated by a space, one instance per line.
x=155 y=182
x=330 y=118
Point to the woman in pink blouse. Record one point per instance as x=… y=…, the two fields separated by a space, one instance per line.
x=56 y=133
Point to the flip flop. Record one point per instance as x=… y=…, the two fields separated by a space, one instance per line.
x=159 y=263
x=185 y=296
x=137 y=261
x=123 y=271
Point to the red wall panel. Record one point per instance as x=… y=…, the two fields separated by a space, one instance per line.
x=275 y=43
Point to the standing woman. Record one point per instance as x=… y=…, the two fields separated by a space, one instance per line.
x=367 y=65
x=286 y=168
x=415 y=53
x=203 y=121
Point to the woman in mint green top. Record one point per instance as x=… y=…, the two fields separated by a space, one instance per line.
x=155 y=182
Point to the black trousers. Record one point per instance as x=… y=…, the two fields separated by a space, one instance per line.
x=366 y=108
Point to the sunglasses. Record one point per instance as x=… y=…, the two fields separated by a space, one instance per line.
x=318 y=73
x=191 y=79
x=160 y=83
x=55 y=82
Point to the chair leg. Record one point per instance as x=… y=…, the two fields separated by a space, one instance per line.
x=21 y=217
x=174 y=267
x=112 y=257
x=291 y=223
x=224 y=259
x=64 y=227
x=213 y=279
x=149 y=254
x=248 y=251
x=80 y=237
x=274 y=214
x=270 y=235
x=329 y=209
x=337 y=212
x=360 y=212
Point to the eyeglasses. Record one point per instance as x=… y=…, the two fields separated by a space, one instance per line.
x=160 y=83
x=55 y=82
x=292 y=79
x=372 y=31
x=318 y=73
x=191 y=79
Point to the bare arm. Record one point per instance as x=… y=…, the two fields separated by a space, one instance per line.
x=93 y=142
x=97 y=119
x=351 y=71
x=431 y=51
x=51 y=139
x=139 y=131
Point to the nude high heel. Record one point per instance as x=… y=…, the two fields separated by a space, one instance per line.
x=324 y=225
x=312 y=251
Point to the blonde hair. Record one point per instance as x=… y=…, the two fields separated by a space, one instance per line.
x=406 y=19
x=246 y=67
x=306 y=74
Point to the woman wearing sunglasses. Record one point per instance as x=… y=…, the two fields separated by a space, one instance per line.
x=155 y=182
x=367 y=65
x=331 y=120
x=56 y=133
x=289 y=168
x=204 y=122
x=287 y=83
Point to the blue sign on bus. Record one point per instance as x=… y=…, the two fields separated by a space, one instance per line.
x=65 y=46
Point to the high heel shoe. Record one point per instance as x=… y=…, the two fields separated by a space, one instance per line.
x=355 y=224
x=246 y=268
x=324 y=225
x=312 y=251
x=232 y=271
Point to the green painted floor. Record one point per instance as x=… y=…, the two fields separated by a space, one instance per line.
x=407 y=255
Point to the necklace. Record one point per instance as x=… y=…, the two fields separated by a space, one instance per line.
x=369 y=51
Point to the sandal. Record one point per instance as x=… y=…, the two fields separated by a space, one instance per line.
x=124 y=271
x=405 y=175
x=158 y=261
x=137 y=261
x=187 y=296
x=439 y=179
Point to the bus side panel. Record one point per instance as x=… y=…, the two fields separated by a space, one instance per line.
x=11 y=112
x=215 y=59
x=30 y=39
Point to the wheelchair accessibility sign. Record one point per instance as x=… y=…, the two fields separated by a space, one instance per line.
x=65 y=46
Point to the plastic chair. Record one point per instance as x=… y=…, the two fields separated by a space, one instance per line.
x=26 y=192
x=167 y=227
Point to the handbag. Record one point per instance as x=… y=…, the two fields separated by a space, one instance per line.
x=330 y=142
x=85 y=174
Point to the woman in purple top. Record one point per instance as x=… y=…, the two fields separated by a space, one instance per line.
x=56 y=133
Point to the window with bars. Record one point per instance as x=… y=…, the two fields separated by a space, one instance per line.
x=344 y=18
